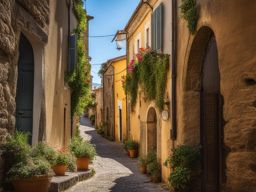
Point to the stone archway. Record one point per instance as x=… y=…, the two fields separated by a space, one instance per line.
x=203 y=106
x=151 y=130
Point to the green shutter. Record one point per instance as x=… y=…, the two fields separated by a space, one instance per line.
x=157 y=28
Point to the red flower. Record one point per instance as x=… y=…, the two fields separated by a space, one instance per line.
x=139 y=57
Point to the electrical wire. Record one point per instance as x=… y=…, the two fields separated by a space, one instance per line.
x=100 y=36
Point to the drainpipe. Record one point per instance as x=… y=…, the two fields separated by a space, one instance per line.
x=174 y=70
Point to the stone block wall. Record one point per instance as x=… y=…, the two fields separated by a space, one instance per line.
x=12 y=21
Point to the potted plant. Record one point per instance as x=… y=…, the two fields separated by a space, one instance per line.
x=143 y=165
x=83 y=151
x=60 y=164
x=132 y=147
x=30 y=175
x=154 y=171
x=153 y=167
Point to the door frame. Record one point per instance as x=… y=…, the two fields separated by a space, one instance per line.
x=39 y=84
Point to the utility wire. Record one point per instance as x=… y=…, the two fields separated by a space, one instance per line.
x=100 y=36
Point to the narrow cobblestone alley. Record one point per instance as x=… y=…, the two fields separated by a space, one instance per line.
x=114 y=170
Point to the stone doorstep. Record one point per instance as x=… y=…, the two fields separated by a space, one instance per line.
x=62 y=183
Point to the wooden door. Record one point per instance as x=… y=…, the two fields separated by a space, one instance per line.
x=211 y=117
x=25 y=88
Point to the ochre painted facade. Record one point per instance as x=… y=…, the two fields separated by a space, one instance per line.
x=99 y=106
x=120 y=99
x=145 y=120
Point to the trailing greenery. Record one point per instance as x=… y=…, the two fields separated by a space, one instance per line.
x=102 y=69
x=79 y=79
x=183 y=161
x=132 y=84
x=82 y=148
x=190 y=13
x=150 y=71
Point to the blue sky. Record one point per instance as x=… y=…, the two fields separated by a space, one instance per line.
x=109 y=16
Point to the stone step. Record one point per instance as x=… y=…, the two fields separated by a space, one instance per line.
x=62 y=183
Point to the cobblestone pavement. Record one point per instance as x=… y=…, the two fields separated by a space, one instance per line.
x=114 y=170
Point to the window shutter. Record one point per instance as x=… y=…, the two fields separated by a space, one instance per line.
x=157 y=28
x=72 y=52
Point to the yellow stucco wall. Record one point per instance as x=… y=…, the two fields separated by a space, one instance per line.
x=57 y=94
x=120 y=97
x=138 y=116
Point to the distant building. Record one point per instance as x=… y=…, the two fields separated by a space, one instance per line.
x=99 y=106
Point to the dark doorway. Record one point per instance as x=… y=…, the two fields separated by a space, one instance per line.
x=25 y=88
x=151 y=130
x=120 y=125
x=211 y=117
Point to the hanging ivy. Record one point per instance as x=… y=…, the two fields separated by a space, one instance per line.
x=189 y=12
x=150 y=72
x=79 y=79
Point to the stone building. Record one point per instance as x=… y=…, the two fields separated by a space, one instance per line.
x=34 y=55
x=216 y=79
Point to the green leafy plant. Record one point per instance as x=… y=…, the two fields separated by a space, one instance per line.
x=42 y=150
x=189 y=12
x=61 y=159
x=16 y=147
x=29 y=168
x=92 y=118
x=82 y=148
x=132 y=145
x=183 y=161
x=180 y=178
x=142 y=161
x=153 y=166
x=184 y=156
x=101 y=128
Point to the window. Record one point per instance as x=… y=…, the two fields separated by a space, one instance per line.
x=157 y=28
x=138 y=45
x=72 y=52
x=147 y=38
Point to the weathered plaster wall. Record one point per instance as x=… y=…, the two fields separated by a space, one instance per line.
x=138 y=117
x=233 y=25
x=58 y=129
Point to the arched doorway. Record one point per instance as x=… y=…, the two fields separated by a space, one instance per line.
x=25 y=88
x=151 y=130
x=203 y=94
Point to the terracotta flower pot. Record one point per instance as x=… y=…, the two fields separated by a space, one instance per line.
x=143 y=169
x=59 y=170
x=82 y=163
x=38 y=184
x=128 y=153
x=133 y=153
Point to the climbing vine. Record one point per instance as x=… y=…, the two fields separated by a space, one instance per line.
x=150 y=72
x=189 y=12
x=79 y=79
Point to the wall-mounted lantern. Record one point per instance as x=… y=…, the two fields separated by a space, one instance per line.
x=119 y=38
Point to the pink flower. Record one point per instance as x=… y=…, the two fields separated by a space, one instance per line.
x=139 y=57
